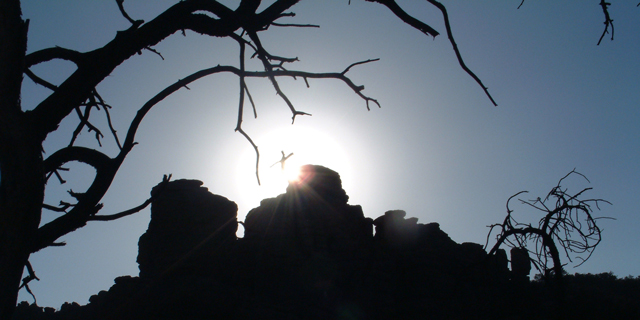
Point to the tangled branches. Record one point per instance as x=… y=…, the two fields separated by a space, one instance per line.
x=567 y=225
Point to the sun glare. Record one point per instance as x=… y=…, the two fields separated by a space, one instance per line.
x=292 y=173
x=299 y=146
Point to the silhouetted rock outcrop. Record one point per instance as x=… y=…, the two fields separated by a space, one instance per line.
x=188 y=224
x=306 y=254
x=520 y=264
x=312 y=217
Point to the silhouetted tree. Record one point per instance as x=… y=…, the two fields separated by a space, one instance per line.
x=24 y=171
x=567 y=226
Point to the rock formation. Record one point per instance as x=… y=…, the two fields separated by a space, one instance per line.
x=188 y=224
x=306 y=254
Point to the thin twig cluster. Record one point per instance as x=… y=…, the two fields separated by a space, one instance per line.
x=567 y=225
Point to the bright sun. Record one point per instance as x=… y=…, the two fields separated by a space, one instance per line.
x=308 y=146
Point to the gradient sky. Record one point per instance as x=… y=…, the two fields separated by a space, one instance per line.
x=437 y=148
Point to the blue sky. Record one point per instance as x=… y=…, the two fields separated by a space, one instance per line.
x=437 y=148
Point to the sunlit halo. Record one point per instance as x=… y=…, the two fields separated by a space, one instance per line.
x=292 y=173
x=308 y=146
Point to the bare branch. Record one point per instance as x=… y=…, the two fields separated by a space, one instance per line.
x=154 y=51
x=121 y=214
x=295 y=25
x=62 y=181
x=457 y=51
x=63 y=207
x=358 y=63
x=92 y=157
x=57 y=244
x=255 y=147
x=607 y=20
x=264 y=57
x=25 y=282
x=282 y=160
x=84 y=121
x=163 y=185
x=106 y=108
x=136 y=23
x=243 y=90
x=253 y=105
x=48 y=54
x=395 y=8
x=287 y=14
x=424 y=28
x=39 y=80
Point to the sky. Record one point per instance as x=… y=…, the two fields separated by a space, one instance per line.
x=437 y=148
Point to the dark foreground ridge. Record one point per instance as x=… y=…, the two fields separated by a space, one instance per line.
x=308 y=254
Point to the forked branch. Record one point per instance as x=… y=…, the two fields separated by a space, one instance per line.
x=607 y=20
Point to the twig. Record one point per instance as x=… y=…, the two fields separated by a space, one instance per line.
x=358 y=63
x=264 y=56
x=607 y=20
x=163 y=186
x=295 y=25
x=154 y=51
x=40 y=81
x=253 y=105
x=136 y=23
x=84 y=121
x=457 y=51
x=106 y=111
x=62 y=181
x=25 y=281
x=63 y=207
x=243 y=90
x=255 y=147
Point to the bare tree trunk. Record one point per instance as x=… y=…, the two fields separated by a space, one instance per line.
x=21 y=196
x=21 y=167
x=11 y=267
